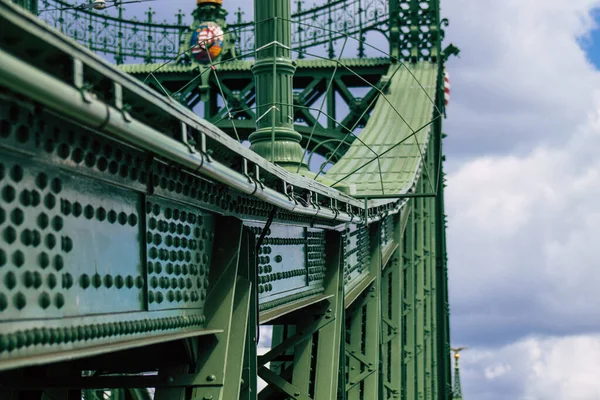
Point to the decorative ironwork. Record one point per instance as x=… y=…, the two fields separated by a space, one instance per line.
x=151 y=41
x=326 y=24
x=115 y=36
x=420 y=30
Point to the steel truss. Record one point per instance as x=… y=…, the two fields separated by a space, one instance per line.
x=128 y=263
x=310 y=87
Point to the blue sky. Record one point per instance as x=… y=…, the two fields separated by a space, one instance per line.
x=590 y=42
x=591 y=45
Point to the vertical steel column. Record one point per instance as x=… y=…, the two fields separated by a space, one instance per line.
x=301 y=369
x=372 y=338
x=275 y=138
x=420 y=294
x=364 y=317
x=391 y=315
x=248 y=270
x=427 y=311
x=410 y=390
x=432 y=306
x=330 y=336
x=353 y=384
x=413 y=34
x=442 y=316
x=216 y=373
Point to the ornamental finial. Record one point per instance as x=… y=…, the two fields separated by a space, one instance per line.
x=217 y=2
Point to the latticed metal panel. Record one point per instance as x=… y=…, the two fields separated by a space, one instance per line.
x=420 y=30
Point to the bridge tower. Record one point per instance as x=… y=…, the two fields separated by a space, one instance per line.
x=162 y=209
x=456 y=387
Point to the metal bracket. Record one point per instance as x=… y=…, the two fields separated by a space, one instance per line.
x=207 y=153
x=289 y=192
x=349 y=212
x=247 y=175
x=78 y=81
x=316 y=202
x=334 y=208
x=191 y=144
x=119 y=105
x=257 y=177
x=245 y=171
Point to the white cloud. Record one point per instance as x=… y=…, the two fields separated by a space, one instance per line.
x=497 y=371
x=522 y=199
x=523 y=225
x=522 y=78
x=557 y=368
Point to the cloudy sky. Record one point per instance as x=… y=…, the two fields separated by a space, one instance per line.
x=523 y=194
x=523 y=190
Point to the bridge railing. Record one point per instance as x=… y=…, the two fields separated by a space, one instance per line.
x=148 y=40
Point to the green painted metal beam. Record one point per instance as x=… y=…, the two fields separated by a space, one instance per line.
x=387 y=280
x=410 y=304
x=328 y=349
x=275 y=138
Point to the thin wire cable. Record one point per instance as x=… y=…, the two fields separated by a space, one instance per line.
x=320 y=111
x=239 y=111
x=161 y=86
x=355 y=124
x=387 y=151
x=312 y=152
x=174 y=58
x=350 y=133
x=396 y=59
x=322 y=103
x=395 y=110
x=367 y=82
x=384 y=96
x=221 y=91
x=356 y=137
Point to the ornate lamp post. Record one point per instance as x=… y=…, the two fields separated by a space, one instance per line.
x=275 y=138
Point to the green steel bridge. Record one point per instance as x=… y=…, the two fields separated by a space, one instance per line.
x=167 y=198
